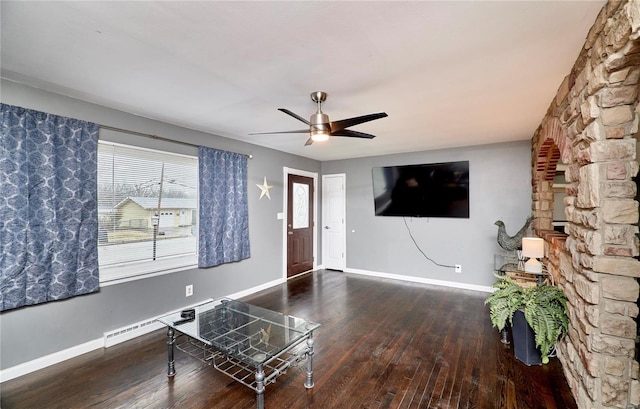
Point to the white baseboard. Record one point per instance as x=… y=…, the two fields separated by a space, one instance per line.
x=109 y=338
x=421 y=280
x=51 y=359
x=255 y=289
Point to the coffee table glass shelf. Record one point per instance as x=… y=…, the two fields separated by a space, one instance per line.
x=252 y=345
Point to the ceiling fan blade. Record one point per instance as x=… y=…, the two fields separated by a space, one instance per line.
x=269 y=133
x=308 y=142
x=345 y=123
x=353 y=134
x=296 y=116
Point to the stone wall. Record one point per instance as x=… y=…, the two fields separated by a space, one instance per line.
x=591 y=125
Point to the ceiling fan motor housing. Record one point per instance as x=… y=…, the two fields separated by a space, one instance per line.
x=320 y=128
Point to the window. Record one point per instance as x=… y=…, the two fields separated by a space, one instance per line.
x=147 y=205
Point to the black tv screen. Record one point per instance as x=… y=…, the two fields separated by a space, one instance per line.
x=426 y=190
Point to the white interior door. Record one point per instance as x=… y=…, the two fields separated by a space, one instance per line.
x=333 y=221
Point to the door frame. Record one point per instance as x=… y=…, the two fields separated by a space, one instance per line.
x=343 y=231
x=313 y=175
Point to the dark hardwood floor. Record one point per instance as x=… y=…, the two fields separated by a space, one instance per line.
x=382 y=344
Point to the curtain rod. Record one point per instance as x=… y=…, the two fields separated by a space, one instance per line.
x=148 y=135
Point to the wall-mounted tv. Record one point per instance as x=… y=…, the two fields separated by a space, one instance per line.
x=426 y=190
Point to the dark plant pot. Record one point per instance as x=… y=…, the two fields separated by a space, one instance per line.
x=524 y=341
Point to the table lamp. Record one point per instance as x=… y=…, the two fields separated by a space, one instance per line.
x=533 y=248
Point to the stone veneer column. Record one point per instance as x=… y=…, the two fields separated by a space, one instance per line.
x=592 y=123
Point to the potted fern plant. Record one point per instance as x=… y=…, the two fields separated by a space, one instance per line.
x=544 y=307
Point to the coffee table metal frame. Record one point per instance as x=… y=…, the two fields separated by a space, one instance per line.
x=242 y=350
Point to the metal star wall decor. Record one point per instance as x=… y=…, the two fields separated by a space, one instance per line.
x=264 y=189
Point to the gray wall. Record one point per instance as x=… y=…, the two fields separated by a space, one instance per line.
x=500 y=188
x=36 y=331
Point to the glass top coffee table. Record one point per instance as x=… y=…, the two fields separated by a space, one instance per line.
x=252 y=345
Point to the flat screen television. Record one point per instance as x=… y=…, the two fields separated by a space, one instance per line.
x=426 y=190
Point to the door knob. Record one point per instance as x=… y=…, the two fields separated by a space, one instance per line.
x=326 y=227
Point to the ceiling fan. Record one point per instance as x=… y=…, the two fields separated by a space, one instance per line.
x=320 y=128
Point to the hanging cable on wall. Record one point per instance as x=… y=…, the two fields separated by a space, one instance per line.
x=420 y=250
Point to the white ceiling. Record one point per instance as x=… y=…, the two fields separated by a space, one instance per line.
x=447 y=73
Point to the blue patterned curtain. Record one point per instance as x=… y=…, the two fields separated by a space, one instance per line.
x=224 y=213
x=48 y=207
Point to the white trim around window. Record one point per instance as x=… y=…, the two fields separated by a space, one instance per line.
x=147 y=204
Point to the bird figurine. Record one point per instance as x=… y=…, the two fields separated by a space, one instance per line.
x=512 y=243
x=265 y=334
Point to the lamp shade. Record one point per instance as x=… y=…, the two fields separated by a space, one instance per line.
x=533 y=247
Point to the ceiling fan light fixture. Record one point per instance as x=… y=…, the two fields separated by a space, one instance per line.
x=319 y=136
x=320 y=129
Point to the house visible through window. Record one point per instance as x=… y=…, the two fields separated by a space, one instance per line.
x=147 y=204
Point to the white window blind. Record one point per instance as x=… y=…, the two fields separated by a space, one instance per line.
x=147 y=205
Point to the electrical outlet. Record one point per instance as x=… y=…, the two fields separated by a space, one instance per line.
x=458 y=268
x=189 y=290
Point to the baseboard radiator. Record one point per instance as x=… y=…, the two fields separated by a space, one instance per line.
x=131 y=331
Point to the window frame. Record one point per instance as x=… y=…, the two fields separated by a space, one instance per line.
x=141 y=269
